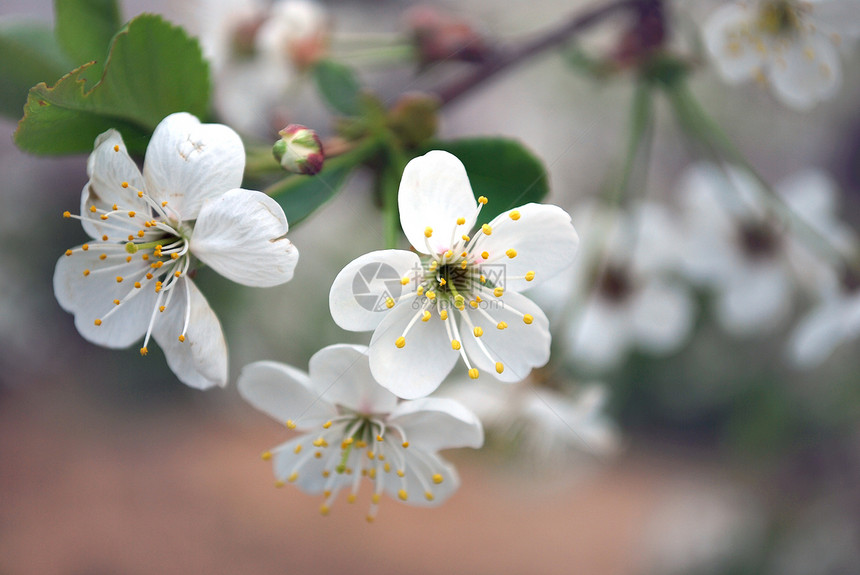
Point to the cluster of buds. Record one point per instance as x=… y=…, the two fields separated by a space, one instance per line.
x=440 y=36
x=299 y=150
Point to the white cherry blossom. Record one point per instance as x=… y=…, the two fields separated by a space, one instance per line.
x=352 y=428
x=132 y=281
x=459 y=297
x=792 y=45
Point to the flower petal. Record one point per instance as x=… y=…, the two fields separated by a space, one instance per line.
x=434 y=193
x=417 y=368
x=434 y=423
x=543 y=239
x=421 y=466
x=201 y=360
x=662 y=316
x=754 y=299
x=284 y=393
x=83 y=289
x=728 y=38
x=340 y=374
x=241 y=236
x=188 y=163
x=601 y=335
x=109 y=167
x=519 y=347
x=808 y=72
x=309 y=469
x=360 y=291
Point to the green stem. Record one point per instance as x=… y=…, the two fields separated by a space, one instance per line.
x=695 y=120
x=390 y=183
x=641 y=120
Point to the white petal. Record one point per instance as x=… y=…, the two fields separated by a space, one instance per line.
x=417 y=368
x=434 y=193
x=360 y=291
x=543 y=238
x=201 y=360
x=108 y=167
x=284 y=393
x=433 y=423
x=837 y=16
x=601 y=336
x=241 y=236
x=662 y=316
x=310 y=477
x=819 y=333
x=807 y=72
x=188 y=162
x=727 y=38
x=90 y=297
x=340 y=374
x=420 y=468
x=755 y=299
x=519 y=347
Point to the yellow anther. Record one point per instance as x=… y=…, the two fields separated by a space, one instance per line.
x=483 y=200
x=149 y=276
x=371 y=455
x=419 y=291
x=498 y=291
x=379 y=438
x=67 y=214
x=455 y=345
x=319 y=442
x=465 y=238
x=499 y=367
x=426 y=316
x=351 y=498
x=474 y=373
x=85 y=247
x=404 y=281
x=327 y=493
x=86 y=273
x=442 y=281
x=400 y=473
x=98 y=322
x=318 y=454
x=279 y=484
x=482 y=278
x=511 y=253
x=139 y=194
x=291 y=424
x=124 y=184
x=502 y=325
x=464 y=264
x=478 y=331
x=375 y=497
x=433 y=265
x=528 y=318
x=324 y=509
x=400 y=342
x=515 y=215
x=131 y=214
x=347 y=442
x=448 y=254
x=461 y=221
x=428 y=231
x=266 y=455
x=474 y=304
x=487 y=229
x=437 y=478
x=325 y=473
x=93 y=209
x=128 y=259
x=431 y=294
x=119 y=279
x=143 y=351
x=485 y=255
x=116 y=148
x=389 y=303
x=428 y=496
x=443 y=315
x=68 y=252
x=162 y=308
x=104 y=216
x=137 y=285
x=327 y=424
x=104 y=238
x=478 y=299
x=387 y=467
x=372 y=473
x=116 y=302
x=164 y=204
x=361 y=444
x=174 y=256
x=140 y=233
x=403 y=495
x=530 y=276
x=181 y=338
x=298 y=449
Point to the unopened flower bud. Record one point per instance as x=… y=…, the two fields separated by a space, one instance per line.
x=414 y=118
x=441 y=36
x=299 y=150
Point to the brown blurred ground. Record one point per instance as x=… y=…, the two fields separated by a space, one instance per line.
x=86 y=490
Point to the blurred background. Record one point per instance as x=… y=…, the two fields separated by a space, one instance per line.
x=729 y=461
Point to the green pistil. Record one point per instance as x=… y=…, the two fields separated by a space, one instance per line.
x=780 y=17
x=133 y=248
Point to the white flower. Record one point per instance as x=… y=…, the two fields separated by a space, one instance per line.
x=459 y=298
x=835 y=319
x=737 y=243
x=543 y=424
x=258 y=53
x=353 y=428
x=620 y=295
x=131 y=280
x=791 y=44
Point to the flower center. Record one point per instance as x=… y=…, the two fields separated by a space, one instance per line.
x=757 y=241
x=779 y=18
x=140 y=250
x=615 y=284
x=357 y=445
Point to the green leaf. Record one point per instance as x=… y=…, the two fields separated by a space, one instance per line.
x=300 y=196
x=338 y=86
x=504 y=171
x=29 y=54
x=153 y=69
x=84 y=30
